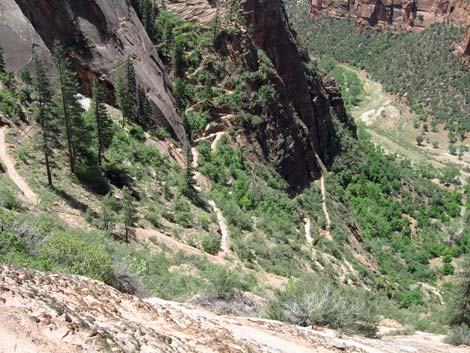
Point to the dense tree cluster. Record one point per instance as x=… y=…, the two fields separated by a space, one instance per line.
x=422 y=68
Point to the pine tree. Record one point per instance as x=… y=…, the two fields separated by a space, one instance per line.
x=129 y=212
x=107 y=215
x=120 y=91
x=141 y=113
x=104 y=127
x=126 y=92
x=216 y=21
x=2 y=61
x=461 y=315
x=147 y=10
x=43 y=94
x=178 y=60
x=67 y=106
x=131 y=88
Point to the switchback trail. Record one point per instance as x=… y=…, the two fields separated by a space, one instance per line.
x=28 y=194
x=224 y=232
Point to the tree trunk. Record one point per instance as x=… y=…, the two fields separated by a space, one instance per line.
x=67 y=122
x=45 y=149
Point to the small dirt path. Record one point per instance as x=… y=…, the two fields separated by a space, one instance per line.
x=308 y=230
x=28 y=194
x=325 y=207
x=224 y=232
x=224 y=246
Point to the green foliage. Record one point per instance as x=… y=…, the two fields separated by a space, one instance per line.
x=435 y=82
x=350 y=83
x=67 y=109
x=419 y=140
x=103 y=125
x=319 y=301
x=459 y=335
x=75 y=255
x=225 y=283
x=8 y=199
x=10 y=103
x=128 y=212
x=211 y=243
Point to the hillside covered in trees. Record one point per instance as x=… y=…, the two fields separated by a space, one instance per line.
x=423 y=68
x=240 y=184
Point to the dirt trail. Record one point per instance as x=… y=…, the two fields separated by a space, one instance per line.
x=224 y=246
x=325 y=207
x=224 y=232
x=308 y=230
x=28 y=194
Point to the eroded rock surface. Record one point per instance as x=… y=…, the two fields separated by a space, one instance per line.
x=199 y=11
x=48 y=312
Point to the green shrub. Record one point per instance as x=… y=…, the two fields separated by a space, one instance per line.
x=77 y=256
x=459 y=335
x=224 y=283
x=211 y=243
x=319 y=301
x=92 y=178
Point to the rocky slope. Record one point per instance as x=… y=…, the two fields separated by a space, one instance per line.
x=99 y=35
x=299 y=147
x=417 y=14
x=48 y=312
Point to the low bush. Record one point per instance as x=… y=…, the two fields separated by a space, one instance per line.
x=320 y=301
x=75 y=255
x=211 y=243
x=459 y=335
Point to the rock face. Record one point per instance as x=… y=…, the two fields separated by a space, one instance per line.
x=199 y=11
x=466 y=44
x=58 y=313
x=410 y=14
x=99 y=34
x=299 y=88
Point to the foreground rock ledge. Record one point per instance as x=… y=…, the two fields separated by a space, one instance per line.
x=48 y=312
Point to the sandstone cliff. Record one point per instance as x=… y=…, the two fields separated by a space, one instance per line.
x=417 y=14
x=313 y=143
x=99 y=34
x=49 y=313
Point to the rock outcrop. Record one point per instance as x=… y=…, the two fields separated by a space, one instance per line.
x=199 y=11
x=99 y=34
x=52 y=313
x=466 y=45
x=304 y=154
x=410 y=14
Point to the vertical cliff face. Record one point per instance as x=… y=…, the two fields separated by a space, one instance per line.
x=305 y=91
x=99 y=34
x=466 y=45
x=410 y=14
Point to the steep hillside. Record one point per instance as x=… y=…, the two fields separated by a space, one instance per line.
x=191 y=151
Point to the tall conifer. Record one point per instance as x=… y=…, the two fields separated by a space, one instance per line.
x=47 y=123
x=104 y=131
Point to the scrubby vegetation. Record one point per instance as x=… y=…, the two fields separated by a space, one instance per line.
x=320 y=301
x=422 y=68
x=388 y=221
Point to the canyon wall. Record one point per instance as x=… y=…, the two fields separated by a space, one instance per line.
x=410 y=14
x=99 y=35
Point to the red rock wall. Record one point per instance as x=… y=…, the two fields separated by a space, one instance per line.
x=417 y=14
